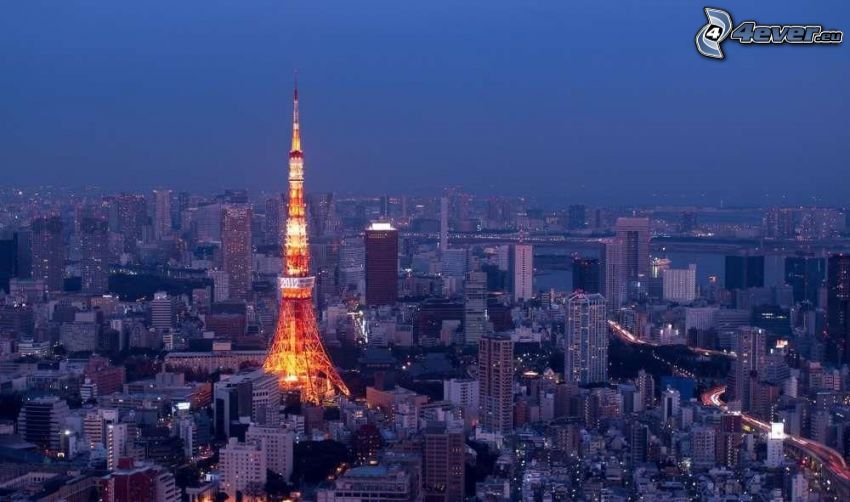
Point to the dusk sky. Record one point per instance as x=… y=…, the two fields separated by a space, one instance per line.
x=575 y=101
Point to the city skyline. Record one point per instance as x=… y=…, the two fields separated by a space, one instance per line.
x=112 y=92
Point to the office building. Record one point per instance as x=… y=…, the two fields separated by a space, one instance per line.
x=521 y=272
x=805 y=275
x=587 y=275
x=163 y=311
x=41 y=420
x=633 y=234
x=576 y=217
x=611 y=268
x=744 y=272
x=275 y=217
x=495 y=377
x=381 y=246
x=838 y=308
x=8 y=261
x=236 y=249
x=586 y=351
x=375 y=483
x=161 y=214
x=444 y=464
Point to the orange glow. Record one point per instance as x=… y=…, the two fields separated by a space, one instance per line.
x=297 y=355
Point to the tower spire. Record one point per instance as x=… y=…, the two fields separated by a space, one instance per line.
x=296 y=126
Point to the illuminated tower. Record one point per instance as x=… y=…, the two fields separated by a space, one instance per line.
x=296 y=354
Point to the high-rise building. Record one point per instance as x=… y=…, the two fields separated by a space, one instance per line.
x=750 y=346
x=381 y=243
x=444 y=224
x=243 y=469
x=586 y=351
x=805 y=275
x=278 y=444
x=236 y=249
x=775 y=445
x=475 y=307
x=744 y=272
x=454 y=262
x=670 y=404
x=274 y=220
x=633 y=235
x=521 y=272
x=838 y=308
x=352 y=264
x=444 y=464
x=576 y=217
x=119 y=443
x=680 y=285
x=41 y=420
x=587 y=275
x=611 y=268
x=131 y=217
x=161 y=214
x=94 y=248
x=495 y=377
x=8 y=261
x=48 y=252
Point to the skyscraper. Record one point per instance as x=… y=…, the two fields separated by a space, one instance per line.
x=161 y=214
x=611 y=266
x=131 y=219
x=521 y=270
x=838 y=307
x=8 y=261
x=41 y=420
x=236 y=249
x=274 y=218
x=586 y=351
x=381 y=243
x=48 y=252
x=633 y=235
x=750 y=345
x=586 y=275
x=444 y=224
x=495 y=375
x=805 y=275
x=94 y=247
x=744 y=272
x=475 y=307
x=576 y=217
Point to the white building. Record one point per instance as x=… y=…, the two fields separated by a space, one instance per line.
x=163 y=310
x=278 y=443
x=586 y=351
x=701 y=318
x=463 y=392
x=703 y=446
x=243 y=467
x=775 y=445
x=680 y=285
x=522 y=271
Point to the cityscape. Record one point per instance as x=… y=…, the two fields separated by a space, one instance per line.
x=173 y=336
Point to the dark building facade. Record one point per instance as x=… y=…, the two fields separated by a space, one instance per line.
x=586 y=276
x=805 y=275
x=838 y=307
x=744 y=272
x=381 y=242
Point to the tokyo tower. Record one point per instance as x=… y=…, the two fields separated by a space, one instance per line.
x=296 y=354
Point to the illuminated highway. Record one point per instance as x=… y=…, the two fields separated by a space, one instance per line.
x=831 y=459
x=626 y=336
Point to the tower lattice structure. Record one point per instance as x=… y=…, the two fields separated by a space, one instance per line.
x=297 y=355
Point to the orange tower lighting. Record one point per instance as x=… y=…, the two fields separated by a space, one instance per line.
x=297 y=355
